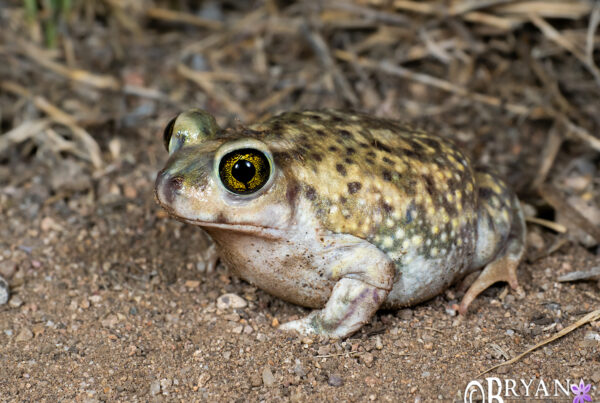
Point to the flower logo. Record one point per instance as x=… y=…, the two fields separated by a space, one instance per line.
x=581 y=392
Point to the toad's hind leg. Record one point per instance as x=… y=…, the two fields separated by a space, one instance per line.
x=500 y=237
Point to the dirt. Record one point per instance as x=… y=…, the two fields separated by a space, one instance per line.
x=110 y=300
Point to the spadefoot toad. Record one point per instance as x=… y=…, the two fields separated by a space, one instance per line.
x=339 y=211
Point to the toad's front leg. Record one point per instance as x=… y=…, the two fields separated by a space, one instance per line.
x=365 y=276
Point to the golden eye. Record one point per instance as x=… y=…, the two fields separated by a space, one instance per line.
x=244 y=171
x=168 y=132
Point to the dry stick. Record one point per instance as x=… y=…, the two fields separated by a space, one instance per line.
x=551 y=33
x=561 y=229
x=319 y=46
x=22 y=132
x=549 y=154
x=553 y=196
x=580 y=132
x=592 y=27
x=544 y=8
x=184 y=18
x=371 y=13
x=100 y=81
x=501 y=22
x=61 y=117
x=431 y=81
x=94 y=80
x=209 y=87
x=590 y=317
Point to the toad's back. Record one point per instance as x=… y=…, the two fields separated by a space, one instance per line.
x=409 y=193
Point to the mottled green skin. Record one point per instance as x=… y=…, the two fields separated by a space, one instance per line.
x=387 y=182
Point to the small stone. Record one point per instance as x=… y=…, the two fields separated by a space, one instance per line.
x=405 y=314
x=368 y=359
x=110 y=321
x=299 y=369
x=7 y=269
x=335 y=380
x=510 y=332
x=324 y=350
x=15 y=302
x=24 y=335
x=595 y=377
x=450 y=311
x=238 y=329
x=248 y=329
x=165 y=384
x=275 y=322
x=371 y=381
x=203 y=379
x=425 y=374
x=378 y=343
x=155 y=388
x=4 y=291
x=255 y=380
x=192 y=284
x=231 y=301
x=502 y=370
x=307 y=340
x=267 y=377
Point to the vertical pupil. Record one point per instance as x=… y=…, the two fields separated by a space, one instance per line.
x=243 y=171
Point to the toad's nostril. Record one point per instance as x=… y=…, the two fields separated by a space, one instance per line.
x=168 y=186
x=175 y=182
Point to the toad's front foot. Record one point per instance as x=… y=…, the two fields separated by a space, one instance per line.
x=351 y=305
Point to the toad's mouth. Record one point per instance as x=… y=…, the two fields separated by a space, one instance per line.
x=264 y=232
x=244 y=228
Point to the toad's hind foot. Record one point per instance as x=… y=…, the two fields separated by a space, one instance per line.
x=500 y=238
x=502 y=269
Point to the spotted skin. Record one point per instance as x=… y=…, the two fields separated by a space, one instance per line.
x=361 y=212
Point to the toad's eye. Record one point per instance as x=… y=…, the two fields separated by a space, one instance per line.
x=168 y=132
x=244 y=171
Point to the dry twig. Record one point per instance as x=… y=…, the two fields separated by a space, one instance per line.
x=590 y=317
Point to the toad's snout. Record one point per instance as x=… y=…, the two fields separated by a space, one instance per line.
x=167 y=187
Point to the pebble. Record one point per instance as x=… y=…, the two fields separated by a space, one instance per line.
x=231 y=301
x=368 y=359
x=203 y=379
x=371 y=381
x=24 y=335
x=165 y=384
x=15 y=302
x=4 y=292
x=450 y=311
x=7 y=268
x=255 y=380
x=307 y=340
x=510 y=332
x=155 y=388
x=335 y=380
x=267 y=377
x=405 y=314
x=378 y=343
x=324 y=350
x=299 y=369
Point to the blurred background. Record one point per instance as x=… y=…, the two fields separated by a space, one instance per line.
x=86 y=88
